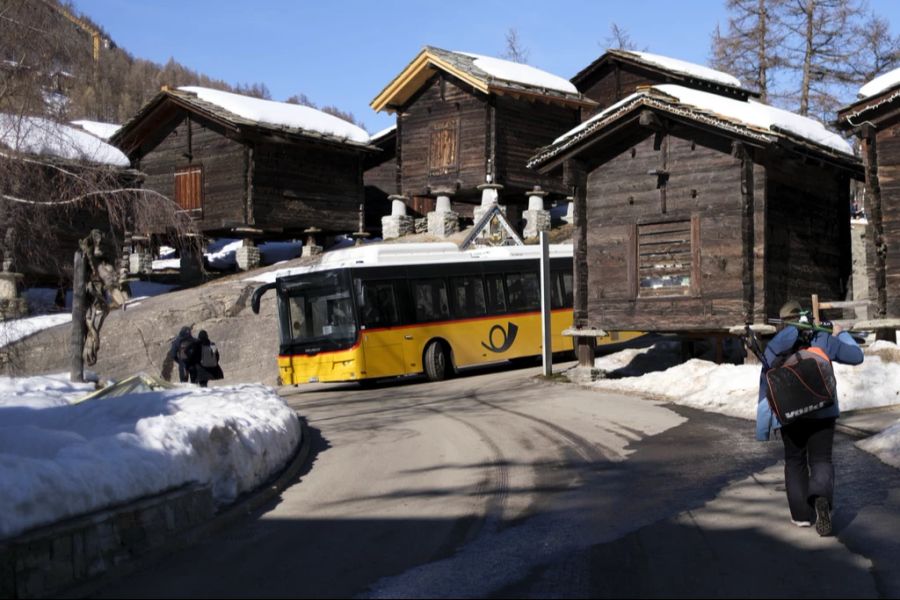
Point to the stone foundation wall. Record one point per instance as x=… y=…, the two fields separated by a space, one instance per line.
x=47 y=561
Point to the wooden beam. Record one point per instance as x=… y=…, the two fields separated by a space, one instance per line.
x=575 y=175
x=748 y=230
x=876 y=220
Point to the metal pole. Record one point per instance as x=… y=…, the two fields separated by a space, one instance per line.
x=76 y=348
x=546 y=335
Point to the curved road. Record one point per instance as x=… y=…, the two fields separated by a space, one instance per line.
x=501 y=484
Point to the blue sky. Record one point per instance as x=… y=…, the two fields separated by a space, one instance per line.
x=343 y=52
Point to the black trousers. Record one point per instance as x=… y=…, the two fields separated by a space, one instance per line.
x=808 y=469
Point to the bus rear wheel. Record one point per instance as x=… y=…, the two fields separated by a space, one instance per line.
x=437 y=362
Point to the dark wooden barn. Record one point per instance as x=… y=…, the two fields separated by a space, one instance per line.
x=241 y=164
x=696 y=212
x=381 y=176
x=619 y=73
x=875 y=119
x=57 y=183
x=464 y=119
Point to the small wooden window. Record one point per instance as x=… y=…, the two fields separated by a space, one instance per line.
x=443 y=151
x=665 y=259
x=189 y=188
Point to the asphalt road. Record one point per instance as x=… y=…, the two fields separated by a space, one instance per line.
x=500 y=484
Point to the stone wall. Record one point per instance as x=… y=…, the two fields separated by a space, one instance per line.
x=49 y=560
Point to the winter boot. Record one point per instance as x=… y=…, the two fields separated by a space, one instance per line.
x=823 y=516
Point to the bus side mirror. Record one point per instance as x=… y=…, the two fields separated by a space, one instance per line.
x=254 y=301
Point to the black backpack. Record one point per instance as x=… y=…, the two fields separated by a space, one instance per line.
x=800 y=383
x=184 y=349
x=208 y=358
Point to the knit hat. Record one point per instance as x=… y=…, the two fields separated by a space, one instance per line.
x=790 y=310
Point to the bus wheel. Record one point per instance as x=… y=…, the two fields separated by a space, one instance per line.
x=437 y=361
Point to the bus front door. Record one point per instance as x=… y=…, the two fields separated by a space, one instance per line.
x=384 y=352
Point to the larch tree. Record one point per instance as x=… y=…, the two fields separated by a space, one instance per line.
x=515 y=51
x=752 y=47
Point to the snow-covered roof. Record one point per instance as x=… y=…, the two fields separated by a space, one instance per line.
x=43 y=137
x=879 y=84
x=520 y=73
x=384 y=132
x=484 y=73
x=280 y=114
x=685 y=68
x=749 y=117
x=104 y=131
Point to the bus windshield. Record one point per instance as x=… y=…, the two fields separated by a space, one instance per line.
x=317 y=313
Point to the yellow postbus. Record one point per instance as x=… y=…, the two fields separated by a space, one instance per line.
x=389 y=310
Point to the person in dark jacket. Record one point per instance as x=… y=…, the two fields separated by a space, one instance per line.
x=808 y=441
x=205 y=357
x=180 y=350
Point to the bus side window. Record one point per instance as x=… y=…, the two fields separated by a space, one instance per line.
x=430 y=299
x=468 y=296
x=379 y=303
x=524 y=291
x=567 y=290
x=496 y=297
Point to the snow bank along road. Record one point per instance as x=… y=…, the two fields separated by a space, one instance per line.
x=499 y=484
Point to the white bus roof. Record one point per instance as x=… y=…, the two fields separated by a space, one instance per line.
x=379 y=255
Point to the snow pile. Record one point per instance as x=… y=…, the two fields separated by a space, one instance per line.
x=38 y=136
x=281 y=114
x=733 y=389
x=751 y=114
x=521 y=73
x=60 y=458
x=686 y=68
x=885 y=445
x=104 y=131
x=18 y=329
x=879 y=84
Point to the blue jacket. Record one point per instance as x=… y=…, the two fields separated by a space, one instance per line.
x=841 y=348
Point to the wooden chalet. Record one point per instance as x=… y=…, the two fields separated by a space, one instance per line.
x=696 y=212
x=619 y=73
x=464 y=119
x=55 y=177
x=381 y=176
x=241 y=164
x=875 y=119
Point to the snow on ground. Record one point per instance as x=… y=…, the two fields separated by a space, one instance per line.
x=60 y=457
x=221 y=254
x=733 y=389
x=17 y=329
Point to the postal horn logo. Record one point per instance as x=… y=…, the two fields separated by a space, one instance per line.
x=506 y=337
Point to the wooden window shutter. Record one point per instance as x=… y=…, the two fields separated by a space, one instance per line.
x=443 y=149
x=667 y=258
x=189 y=187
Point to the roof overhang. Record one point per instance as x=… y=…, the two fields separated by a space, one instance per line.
x=170 y=105
x=616 y=56
x=417 y=73
x=864 y=111
x=628 y=116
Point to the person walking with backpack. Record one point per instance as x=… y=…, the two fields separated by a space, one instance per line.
x=808 y=440
x=179 y=352
x=207 y=360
